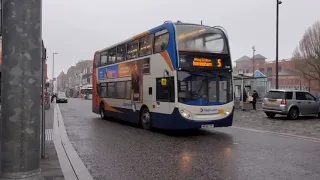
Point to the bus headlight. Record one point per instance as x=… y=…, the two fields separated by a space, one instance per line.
x=185 y=114
x=227 y=112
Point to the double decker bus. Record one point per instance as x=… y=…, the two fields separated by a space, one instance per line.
x=174 y=76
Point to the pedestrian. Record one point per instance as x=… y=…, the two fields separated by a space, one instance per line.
x=53 y=96
x=255 y=97
x=244 y=95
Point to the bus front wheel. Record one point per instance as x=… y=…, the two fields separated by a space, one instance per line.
x=145 y=119
x=102 y=111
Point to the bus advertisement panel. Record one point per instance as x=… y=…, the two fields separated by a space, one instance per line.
x=133 y=69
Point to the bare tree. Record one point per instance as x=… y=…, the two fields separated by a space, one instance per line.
x=307 y=54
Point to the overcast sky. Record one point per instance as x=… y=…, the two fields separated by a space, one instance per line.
x=77 y=28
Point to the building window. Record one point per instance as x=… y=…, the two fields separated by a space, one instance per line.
x=269 y=71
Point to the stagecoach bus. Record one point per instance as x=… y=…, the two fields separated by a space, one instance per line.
x=174 y=76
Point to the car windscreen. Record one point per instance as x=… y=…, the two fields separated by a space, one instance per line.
x=275 y=95
x=61 y=95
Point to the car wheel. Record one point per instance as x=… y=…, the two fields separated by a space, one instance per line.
x=293 y=113
x=270 y=115
x=145 y=119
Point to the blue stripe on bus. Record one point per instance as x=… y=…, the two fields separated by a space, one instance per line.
x=172 y=121
x=202 y=102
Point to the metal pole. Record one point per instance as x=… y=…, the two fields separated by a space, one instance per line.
x=277 y=45
x=53 y=69
x=242 y=99
x=52 y=72
x=43 y=122
x=20 y=143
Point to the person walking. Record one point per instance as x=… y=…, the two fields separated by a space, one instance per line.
x=255 y=97
x=244 y=96
x=54 y=95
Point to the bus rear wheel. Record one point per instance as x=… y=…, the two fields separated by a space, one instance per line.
x=102 y=111
x=145 y=119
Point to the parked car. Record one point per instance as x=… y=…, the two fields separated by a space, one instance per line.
x=293 y=103
x=61 y=97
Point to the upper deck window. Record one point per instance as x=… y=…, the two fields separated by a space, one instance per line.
x=201 y=39
x=161 y=41
x=132 y=49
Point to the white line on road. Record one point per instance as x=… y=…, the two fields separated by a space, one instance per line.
x=74 y=168
x=48 y=134
x=316 y=140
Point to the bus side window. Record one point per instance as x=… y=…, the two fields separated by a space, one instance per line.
x=97 y=60
x=146 y=45
x=132 y=49
x=165 y=92
x=104 y=58
x=161 y=41
x=112 y=56
x=103 y=90
x=121 y=53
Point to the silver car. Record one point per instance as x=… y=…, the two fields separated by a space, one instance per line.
x=61 y=97
x=293 y=103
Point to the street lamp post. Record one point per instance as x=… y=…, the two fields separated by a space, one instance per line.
x=253 y=52
x=241 y=73
x=277 y=44
x=53 y=70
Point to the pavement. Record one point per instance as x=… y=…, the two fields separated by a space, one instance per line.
x=50 y=165
x=304 y=126
x=254 y=148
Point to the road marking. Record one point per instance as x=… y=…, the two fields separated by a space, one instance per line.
x=48 y=133
x=317 y=140
x=70 y=162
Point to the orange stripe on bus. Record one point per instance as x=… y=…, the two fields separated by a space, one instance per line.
x=140 y=35
x=166 y=57
x=109 y=108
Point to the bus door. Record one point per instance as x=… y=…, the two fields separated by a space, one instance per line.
x=165 y=95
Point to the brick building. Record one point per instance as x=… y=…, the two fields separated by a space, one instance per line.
x=289 y=78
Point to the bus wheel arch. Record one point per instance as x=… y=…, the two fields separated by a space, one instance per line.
x=102 y=111
x=145 y=118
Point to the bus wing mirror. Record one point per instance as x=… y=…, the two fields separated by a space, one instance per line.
x=166 y=73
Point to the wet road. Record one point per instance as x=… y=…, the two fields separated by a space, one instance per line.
x=116 y=151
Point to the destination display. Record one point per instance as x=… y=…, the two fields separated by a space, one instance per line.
x=204 y=62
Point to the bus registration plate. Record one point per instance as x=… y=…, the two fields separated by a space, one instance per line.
x=207 y=126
